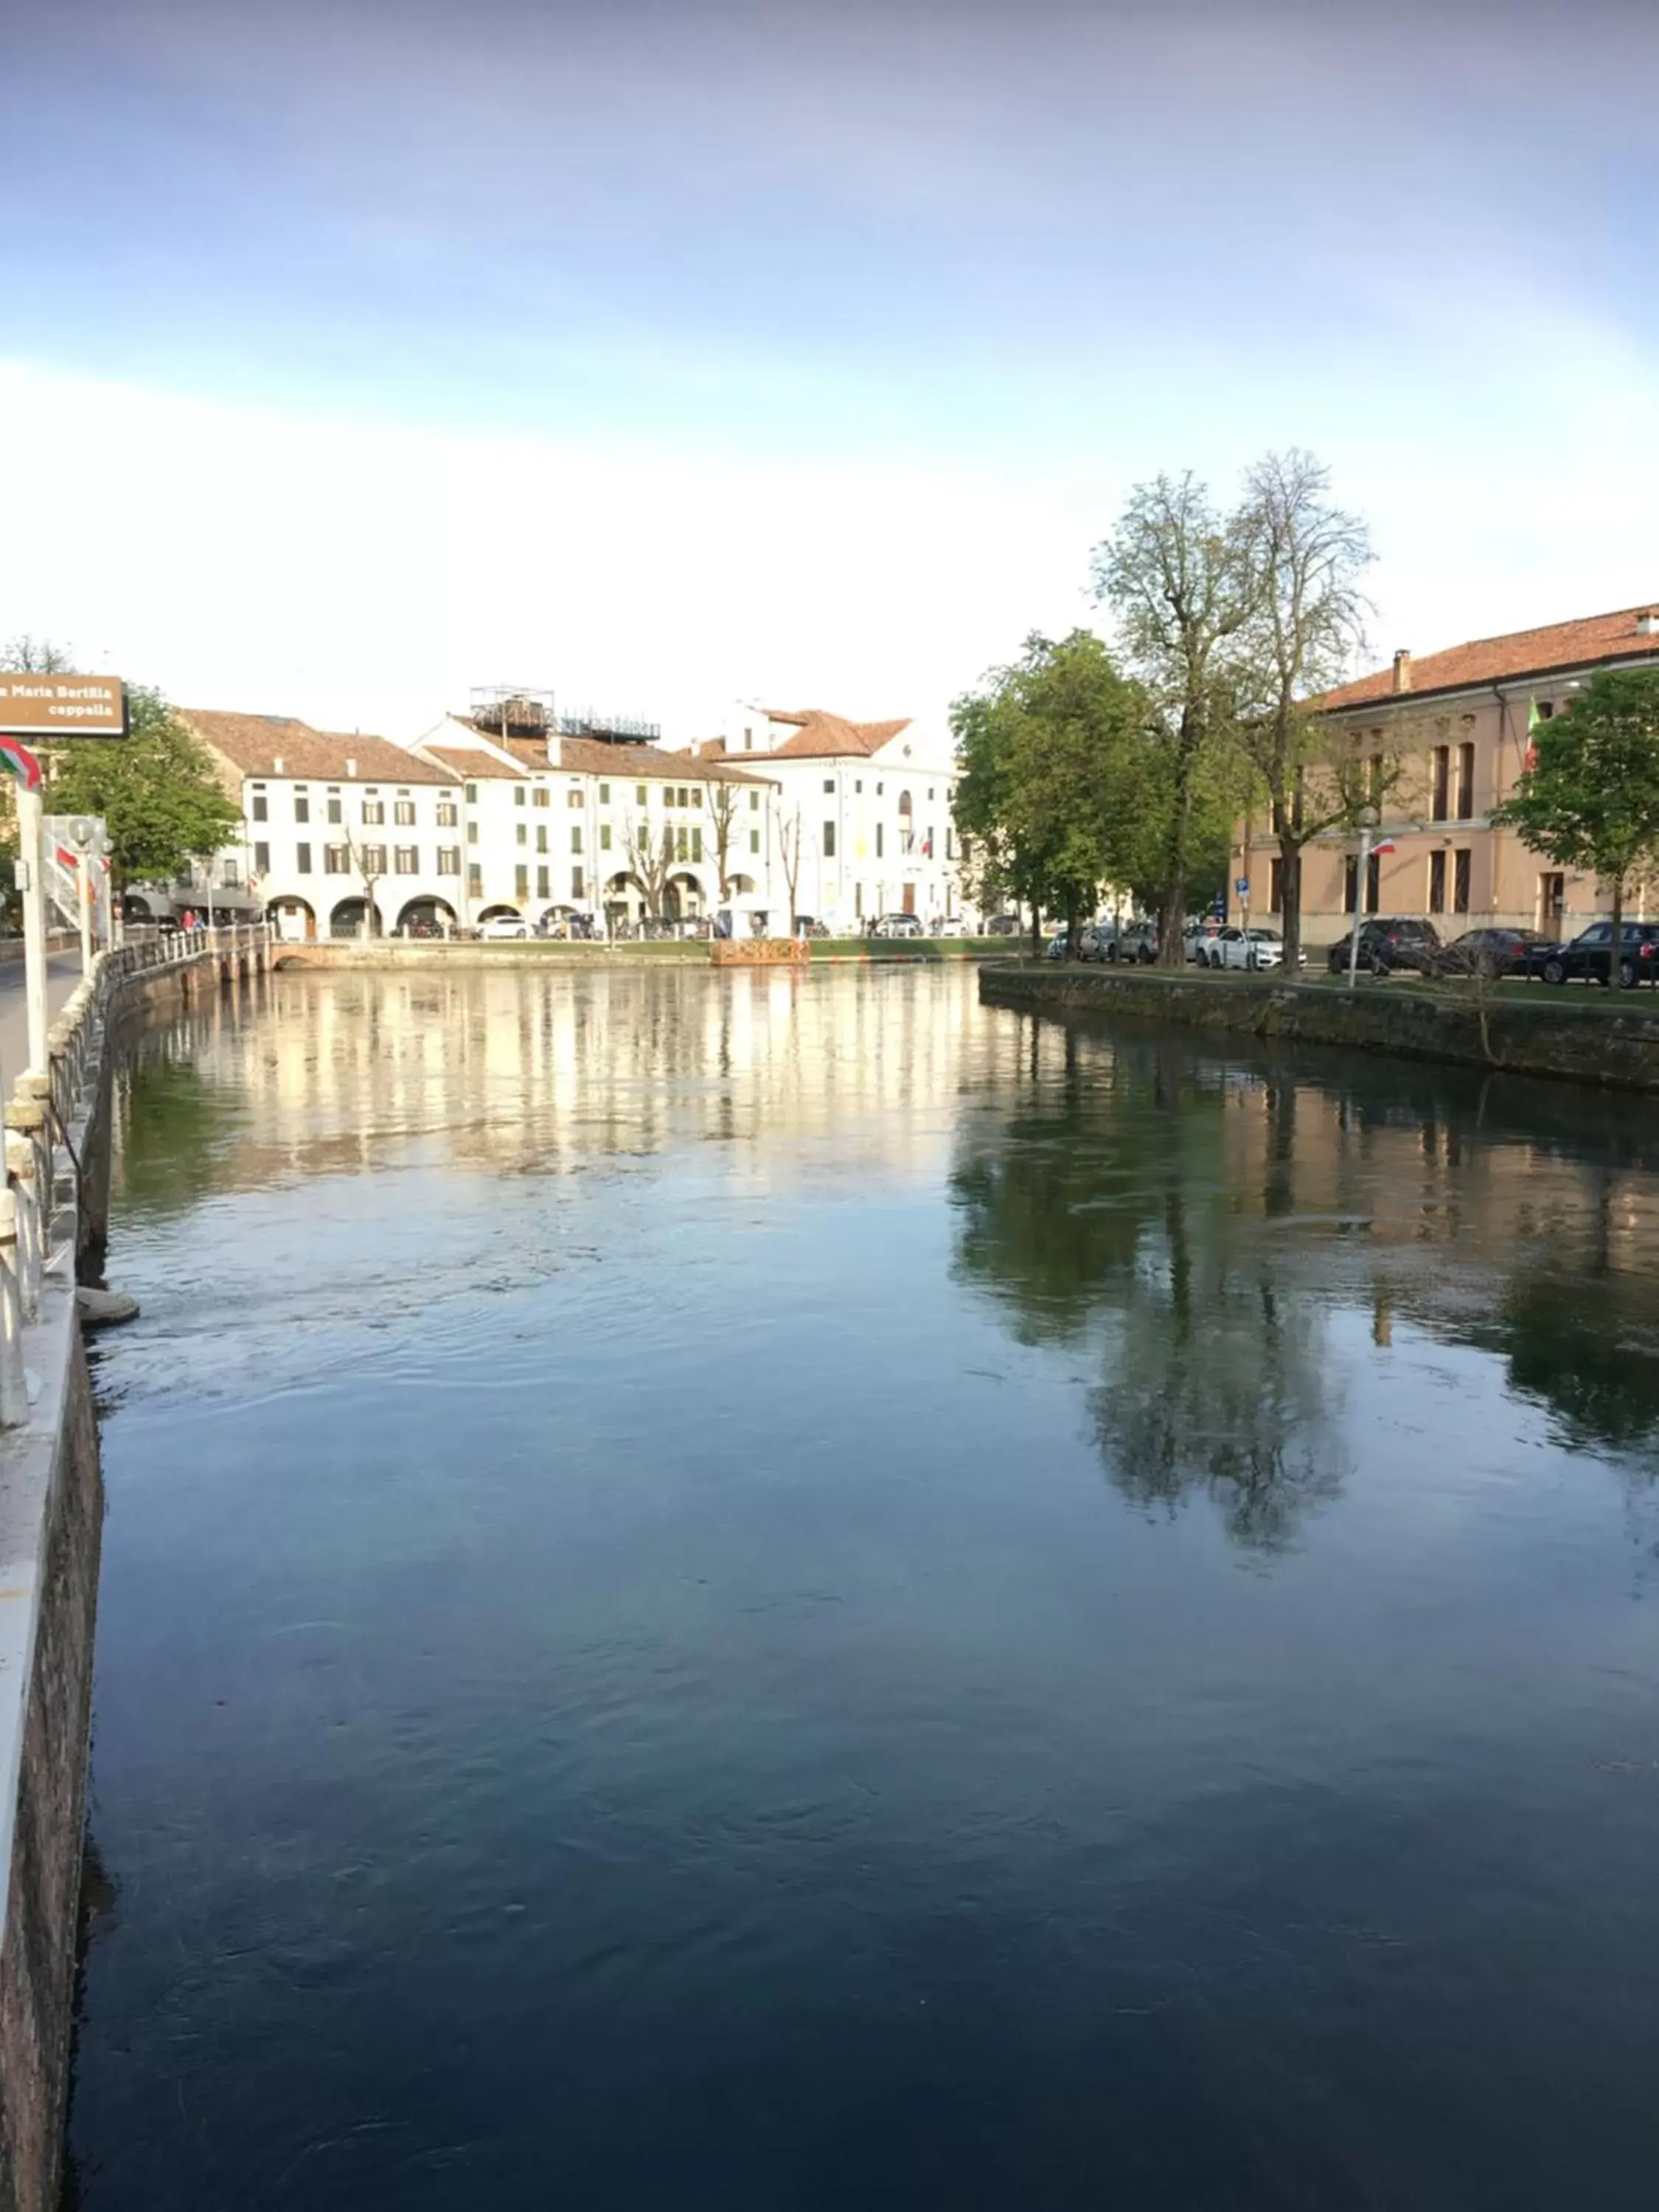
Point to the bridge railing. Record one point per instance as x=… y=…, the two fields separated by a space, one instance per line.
x=47 y=1120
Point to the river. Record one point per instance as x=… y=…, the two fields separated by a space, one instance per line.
x=771 y=1592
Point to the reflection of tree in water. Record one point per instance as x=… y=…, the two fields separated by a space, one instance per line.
x=1220 y=1386
x=1218 y=1380
x=1584 y=1348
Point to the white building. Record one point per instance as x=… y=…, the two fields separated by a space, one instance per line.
x=557 y=826
x=868 y=804
x=330 y=823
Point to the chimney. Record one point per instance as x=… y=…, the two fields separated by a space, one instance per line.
x=1402 y=671
x=351 y=765
x=1647 y=624
x=276 y=768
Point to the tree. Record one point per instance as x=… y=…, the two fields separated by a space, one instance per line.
x=1180 y=579
x=648 y=864
x=36 y=656
x=1059 y=774
x=722 y=821
x=1305 y=555
x=156 y=790
x=1588 y=796
x=359 y=854
x=789 y=853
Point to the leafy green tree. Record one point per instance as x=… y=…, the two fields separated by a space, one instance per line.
x=1180 y=578
x=1059 y=770
x=1306 y=555
x=156 y=790
x=1589 y=794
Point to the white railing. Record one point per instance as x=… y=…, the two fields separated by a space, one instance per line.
x=46 y=1122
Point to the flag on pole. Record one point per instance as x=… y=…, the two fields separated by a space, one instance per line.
x=1382 y=845
x=1534 y=723
x=17 y=760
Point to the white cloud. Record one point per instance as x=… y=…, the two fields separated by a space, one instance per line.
x=365 y=575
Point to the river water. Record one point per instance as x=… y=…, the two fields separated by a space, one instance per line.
x=772 y=1593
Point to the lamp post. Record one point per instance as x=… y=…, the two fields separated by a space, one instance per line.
x=84 y=830
x=1368 y=819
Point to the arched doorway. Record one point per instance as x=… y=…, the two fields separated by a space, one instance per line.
x=501 y=913
x=134 y=909
x=293 y=920
x=682 y=897
x=624 y=901
x=427 y=917
x=353 y=917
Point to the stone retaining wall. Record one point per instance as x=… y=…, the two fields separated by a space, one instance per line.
x=1582 y=1039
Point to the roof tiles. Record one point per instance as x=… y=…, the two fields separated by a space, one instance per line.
x=1521 y=653
x=254 y=743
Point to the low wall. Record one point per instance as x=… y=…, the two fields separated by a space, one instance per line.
x=1582 y=1039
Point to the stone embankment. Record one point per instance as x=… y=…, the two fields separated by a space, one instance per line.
x=397 y=952
x=1579 y=1035
x=53 y=1217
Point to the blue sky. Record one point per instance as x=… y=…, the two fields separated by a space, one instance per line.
x=670 y=352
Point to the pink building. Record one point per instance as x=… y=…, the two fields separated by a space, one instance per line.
x=1459 y=719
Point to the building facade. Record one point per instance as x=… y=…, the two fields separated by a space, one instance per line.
x=865 y=820
x=557 y=826
x=1450 y=733
x=332 y=824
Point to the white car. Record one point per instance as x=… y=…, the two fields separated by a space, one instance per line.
x=1234 y=947
x=504 y=925
x=1197 y=938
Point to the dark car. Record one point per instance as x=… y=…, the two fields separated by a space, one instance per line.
x=1494 y=952
x=1003 y=925
x=1589 y=957
x=1391 y=941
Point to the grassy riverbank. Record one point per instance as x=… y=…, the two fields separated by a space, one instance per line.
x=1581 y=1035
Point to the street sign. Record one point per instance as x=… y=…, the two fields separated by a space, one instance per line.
x=1218 y=907
x=47 y=707
x=1242 y=887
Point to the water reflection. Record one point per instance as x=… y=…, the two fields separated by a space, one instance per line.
x=672 y=1630
x=1201 y=1216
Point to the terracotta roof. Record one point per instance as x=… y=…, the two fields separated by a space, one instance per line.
x=472 y=761
x=600 y=757
x=253 y=744
x=821 y=734
x=637 y=763
x=1522 y=653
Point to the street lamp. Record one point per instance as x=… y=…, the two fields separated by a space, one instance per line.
x=83 y=832
x=1368 y=820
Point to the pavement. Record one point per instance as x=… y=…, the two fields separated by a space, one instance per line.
x=63 y=973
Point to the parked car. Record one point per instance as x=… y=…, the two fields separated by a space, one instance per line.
x=1003 y=925
x=1589 y=958
x=1136 y=940
x=1392 y=941
x=1236 y=947
x=1198 y=937
x=1494 y=952
x=952 y=925
x=1098 y=941
x=899 y=925
x=504 y=925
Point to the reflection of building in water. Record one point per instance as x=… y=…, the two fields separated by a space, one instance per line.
x=523 y=1069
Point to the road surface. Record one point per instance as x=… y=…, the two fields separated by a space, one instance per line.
x=63 y=973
